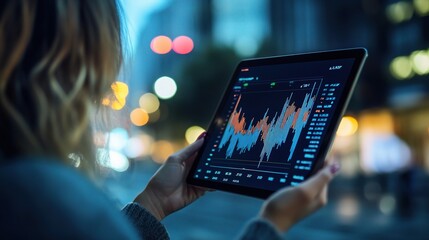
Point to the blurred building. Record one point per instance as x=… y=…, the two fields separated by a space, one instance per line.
x=190 y=18
x=241 y=24
x=407 y=64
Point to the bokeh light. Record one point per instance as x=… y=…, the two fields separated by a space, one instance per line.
x=118 y=104
x=118 y=101
x=420 y=62
x=183 y=45
x=376 y=122
x=401 y=68
x=112 y=159
x=399 y=12
x=387 y=204
x=422 y=7
x=165 y=87
x=161 y=44
x=149 y=102
x=348 y=207
x=162 y=150
x=118 y=138
x=139 y=117
x=384 y=153
x=118 y=162
x=120 y=89
x=348 y=126
x=105 y=101
x=139 y=146
x=192 y=133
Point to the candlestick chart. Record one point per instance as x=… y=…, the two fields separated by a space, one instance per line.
x=243 y=133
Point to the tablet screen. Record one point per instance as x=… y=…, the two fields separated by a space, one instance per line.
x=270 y=128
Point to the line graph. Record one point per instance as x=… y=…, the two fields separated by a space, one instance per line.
x=272 y=130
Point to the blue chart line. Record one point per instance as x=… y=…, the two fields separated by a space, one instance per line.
x=273 y=133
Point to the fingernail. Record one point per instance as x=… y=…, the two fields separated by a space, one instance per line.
x=335 y=167
x=202 y=135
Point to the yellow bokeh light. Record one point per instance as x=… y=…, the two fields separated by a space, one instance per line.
x=120 y=89
x=422 y=7
x=118 y=100
x=401 y=68
x=420 y=61
x=399 y=12
x=139 y=117
x=162 y=150
x=192 y=133
x=348 y=126
x=149 y=102
x=118 y=104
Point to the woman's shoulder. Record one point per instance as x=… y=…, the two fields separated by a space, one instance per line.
x=45 y=180
x=26 y=172
x=41 y=198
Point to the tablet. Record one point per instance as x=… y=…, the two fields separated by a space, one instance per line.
x=276 y=121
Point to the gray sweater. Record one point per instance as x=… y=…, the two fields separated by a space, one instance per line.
x=42 y=199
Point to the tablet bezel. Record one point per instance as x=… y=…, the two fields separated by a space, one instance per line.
x=358 y=54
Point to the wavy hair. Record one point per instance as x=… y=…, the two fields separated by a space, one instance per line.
x=58 y=59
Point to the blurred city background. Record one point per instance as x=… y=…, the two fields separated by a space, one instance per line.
x=180 y=55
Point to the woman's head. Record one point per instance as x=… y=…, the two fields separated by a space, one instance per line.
x=57 y=60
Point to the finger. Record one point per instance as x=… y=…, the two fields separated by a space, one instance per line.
x=316 y=183
x=203 y=189
x=188 y=163
x=320 y=200
x=188 y=151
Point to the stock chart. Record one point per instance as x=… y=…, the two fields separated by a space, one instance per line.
x=269 y=130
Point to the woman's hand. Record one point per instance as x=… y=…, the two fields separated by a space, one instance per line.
x=289 y=205
x=168 y=191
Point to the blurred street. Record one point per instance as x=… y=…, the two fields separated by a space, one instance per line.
x=181 y=56
x=220 y=215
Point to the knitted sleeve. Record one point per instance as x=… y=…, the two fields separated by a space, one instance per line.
x=260 y=229
x=146 y=224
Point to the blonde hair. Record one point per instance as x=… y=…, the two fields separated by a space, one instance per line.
x=58 y=59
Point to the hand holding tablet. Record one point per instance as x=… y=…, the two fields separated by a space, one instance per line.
x=276 y=121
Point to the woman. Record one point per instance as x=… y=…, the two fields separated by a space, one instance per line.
x=58 y=59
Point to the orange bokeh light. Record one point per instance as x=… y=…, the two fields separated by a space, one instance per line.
x=161 y=44
x=183 y=45
x=105 y=101
x=139 y=117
